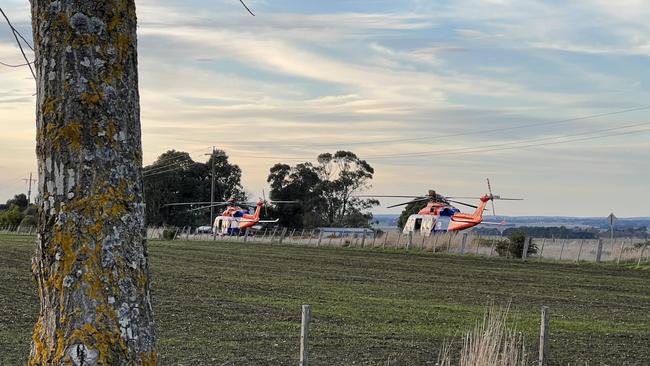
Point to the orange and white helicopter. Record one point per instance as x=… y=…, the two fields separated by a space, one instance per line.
x=440 y=216
x=235 y=220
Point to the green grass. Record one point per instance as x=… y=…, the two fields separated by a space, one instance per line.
x=218 y=302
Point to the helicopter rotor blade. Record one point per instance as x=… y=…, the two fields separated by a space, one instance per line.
x=491 y=197
x=406 y=203
x=463 y=203
x=385 y=196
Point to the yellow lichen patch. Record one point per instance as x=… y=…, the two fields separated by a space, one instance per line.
x=122 y=44
x=148 y=359
x=49 y=106
x=41 y=351
x=71 y=133
x=91 y=98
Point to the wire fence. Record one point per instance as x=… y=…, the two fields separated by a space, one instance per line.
x=618 y=250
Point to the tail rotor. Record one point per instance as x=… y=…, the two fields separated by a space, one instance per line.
x=491 y=197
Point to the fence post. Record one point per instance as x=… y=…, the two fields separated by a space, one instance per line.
x=320 y=237
x=524 y=253
x=582 y=242
x=422 y=242
x=409 y=241
x=245 y=235
x=435 y=242
x=541 y=252
x=492 y=248
x=544 y=337
x=304 y=335
x=462 y=243
x=374 y=237
x=478 y=244
x=383 y=245
x=562 y=250
x=284 y=231
x=599 y=252
x=620 y=253
x=641 y=256
x=311 y=236
x=399 y=236
x=363 y=239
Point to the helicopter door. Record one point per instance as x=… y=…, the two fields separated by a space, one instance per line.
x=427 y=225
x=418 y=224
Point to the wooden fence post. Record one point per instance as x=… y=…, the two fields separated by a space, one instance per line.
x=435 y=242
x=562 y=250
x=399 y=236
x=304 y=335
x=599 y=252
x=582 y=242
x=363 y=239
x=284 y=231
x=492 y=248
x=383 y=245
x=544 y=337
x=641 y=255
x=463 y=241
x=320 y=238
x=409 y=242
x=620 y=253
x=541 y=252
x=524 y=253
x=374 y=237
x=245 y=235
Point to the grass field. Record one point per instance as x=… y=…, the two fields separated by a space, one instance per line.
x=217 y=303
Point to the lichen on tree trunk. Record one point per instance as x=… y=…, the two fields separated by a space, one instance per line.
x=91 y=264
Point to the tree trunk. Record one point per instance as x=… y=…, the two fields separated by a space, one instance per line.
x=91 y=264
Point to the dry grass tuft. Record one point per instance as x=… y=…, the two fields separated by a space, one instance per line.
x=491 y=343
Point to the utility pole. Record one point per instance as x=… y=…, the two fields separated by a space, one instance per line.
x=212 y=188
x=29 y=191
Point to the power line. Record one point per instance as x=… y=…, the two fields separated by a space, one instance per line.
x=162 y=172
x=16 y=33
x=157 y=161
x=177 y=164
x=9 y=65
x=504 y=146
x=475 y=132
x=435 y=152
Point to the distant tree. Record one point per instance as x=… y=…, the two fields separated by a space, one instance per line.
x=11 y=217
x=326 y=191
x=19 y=200
x=514 y=246
x=175 y=177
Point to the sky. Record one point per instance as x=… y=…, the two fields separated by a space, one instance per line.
x=549 y=99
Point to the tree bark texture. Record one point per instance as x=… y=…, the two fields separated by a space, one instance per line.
x=91 y=263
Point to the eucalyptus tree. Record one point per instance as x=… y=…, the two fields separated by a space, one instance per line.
x=91 y=262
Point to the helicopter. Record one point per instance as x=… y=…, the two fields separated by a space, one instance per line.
x=234 y=220
x=440 y=216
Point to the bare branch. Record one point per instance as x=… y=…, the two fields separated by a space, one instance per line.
x=15 y=33
x=242 y=2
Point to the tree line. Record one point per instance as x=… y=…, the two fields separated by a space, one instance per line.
x=324 y=191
